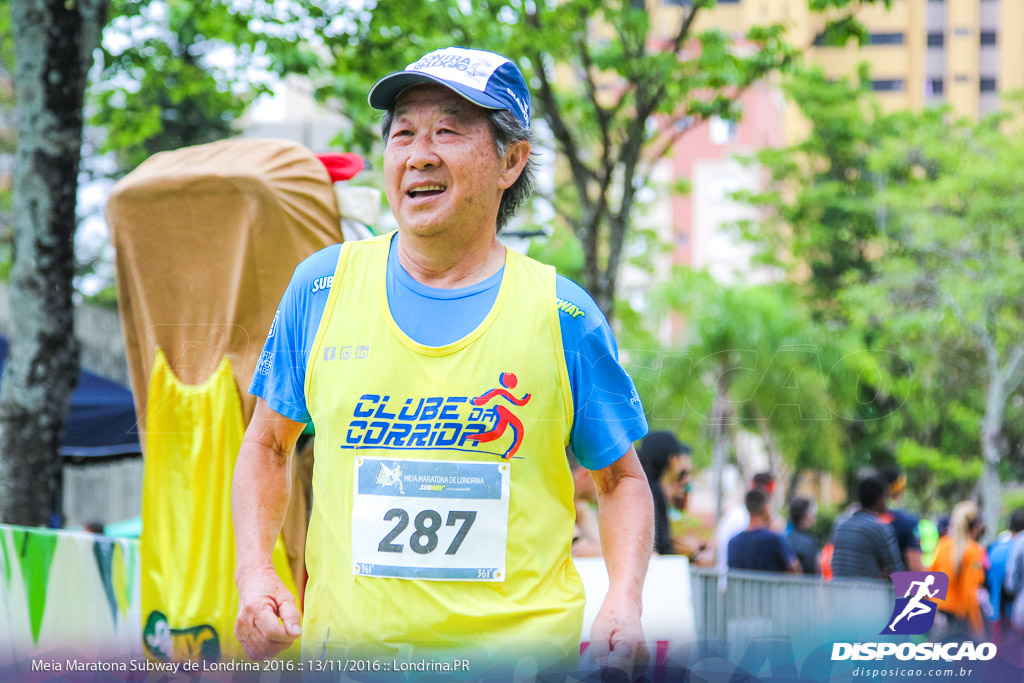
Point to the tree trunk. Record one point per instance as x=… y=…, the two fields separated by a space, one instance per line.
x=719 y=446
x=992 y=452
x=54 y=41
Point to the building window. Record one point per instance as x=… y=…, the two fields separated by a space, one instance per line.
x=936 y=39
x=723 y=131
x=988 y=37
x=887 y=85
x=933 y=86
x=987 y=85
x=962 y=78
x=886 y=39
x=962 y=31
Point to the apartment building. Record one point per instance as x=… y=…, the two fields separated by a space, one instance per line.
x=921 y=52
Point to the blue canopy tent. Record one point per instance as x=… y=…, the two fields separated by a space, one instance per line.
x=101 y=421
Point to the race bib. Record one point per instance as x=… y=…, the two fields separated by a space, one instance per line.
x=430 y=519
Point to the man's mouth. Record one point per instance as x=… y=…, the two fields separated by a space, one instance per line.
x=426 y=191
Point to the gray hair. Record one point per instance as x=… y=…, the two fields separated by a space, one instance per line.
x=506 y=130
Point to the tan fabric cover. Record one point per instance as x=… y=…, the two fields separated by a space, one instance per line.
x=207 y=238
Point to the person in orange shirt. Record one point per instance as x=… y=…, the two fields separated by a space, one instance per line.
x=963 y=559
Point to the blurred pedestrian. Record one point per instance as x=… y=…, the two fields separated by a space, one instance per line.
x=759 y=548
x=864 y=545
x=737 y=519
x=904 y=524
x=1014 y=580
x=802 y=514
x=676 y=481
x=962 y=558
x=998 y=578
x=658 y=451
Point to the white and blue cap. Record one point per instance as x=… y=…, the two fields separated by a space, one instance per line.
x=484 y=78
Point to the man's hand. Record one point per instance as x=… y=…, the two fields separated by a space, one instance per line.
x=617 y=639
x=259 y=501
x=268 y=620
x=626 y=518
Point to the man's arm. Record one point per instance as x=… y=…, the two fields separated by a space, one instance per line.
x=626 y=518
x=912 y=557
x=268 y=619
x=890 y=553
x=788 y=555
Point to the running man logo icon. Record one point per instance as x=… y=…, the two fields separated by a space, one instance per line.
x=389 y=476
x=914 y=613
x=504 y=416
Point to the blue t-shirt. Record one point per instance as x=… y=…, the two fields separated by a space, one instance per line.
x=760 y=550
x=998 y=558
x=608 y=413
x=905 y=526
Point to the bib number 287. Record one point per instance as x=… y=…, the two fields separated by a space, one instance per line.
x=426 y=525
x=430 y=520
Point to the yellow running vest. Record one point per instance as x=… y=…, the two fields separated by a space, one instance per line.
x=442 y=499
x=187 y=548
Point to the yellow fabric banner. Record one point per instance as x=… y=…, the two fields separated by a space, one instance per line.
x=189 y=598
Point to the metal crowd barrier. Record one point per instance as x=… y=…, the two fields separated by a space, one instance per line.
x=742 y=607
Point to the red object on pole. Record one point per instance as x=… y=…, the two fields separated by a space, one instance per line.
x=342 y=166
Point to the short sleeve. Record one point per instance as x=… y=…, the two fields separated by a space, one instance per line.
x=907 y=535
x=280 y=375
x=608 y=415
x=786 y=551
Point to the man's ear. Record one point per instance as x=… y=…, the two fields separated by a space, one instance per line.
x=516 y=156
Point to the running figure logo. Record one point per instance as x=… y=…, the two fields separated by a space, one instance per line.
x=505 y=418
x=389 y=476
x=914 y=613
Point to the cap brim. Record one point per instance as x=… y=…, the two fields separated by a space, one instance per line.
x=385 y=91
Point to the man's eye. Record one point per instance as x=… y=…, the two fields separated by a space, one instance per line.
x=401 y=133
x=446 y=130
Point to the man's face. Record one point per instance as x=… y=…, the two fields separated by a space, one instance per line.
x=441 y=166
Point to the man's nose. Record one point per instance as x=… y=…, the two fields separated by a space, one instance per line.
x=422 y=153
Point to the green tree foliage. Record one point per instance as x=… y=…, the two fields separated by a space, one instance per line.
x=181 y=72
x=755 y=360
x=952 y=275
x=833 y=225
x=823 y=225
x=935 y=477
x=176 y=73
x=615 y=83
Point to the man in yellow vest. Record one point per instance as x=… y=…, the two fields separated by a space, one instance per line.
x=445 y=375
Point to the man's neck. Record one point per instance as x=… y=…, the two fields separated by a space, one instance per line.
x=759 y=523
x=444 y=265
